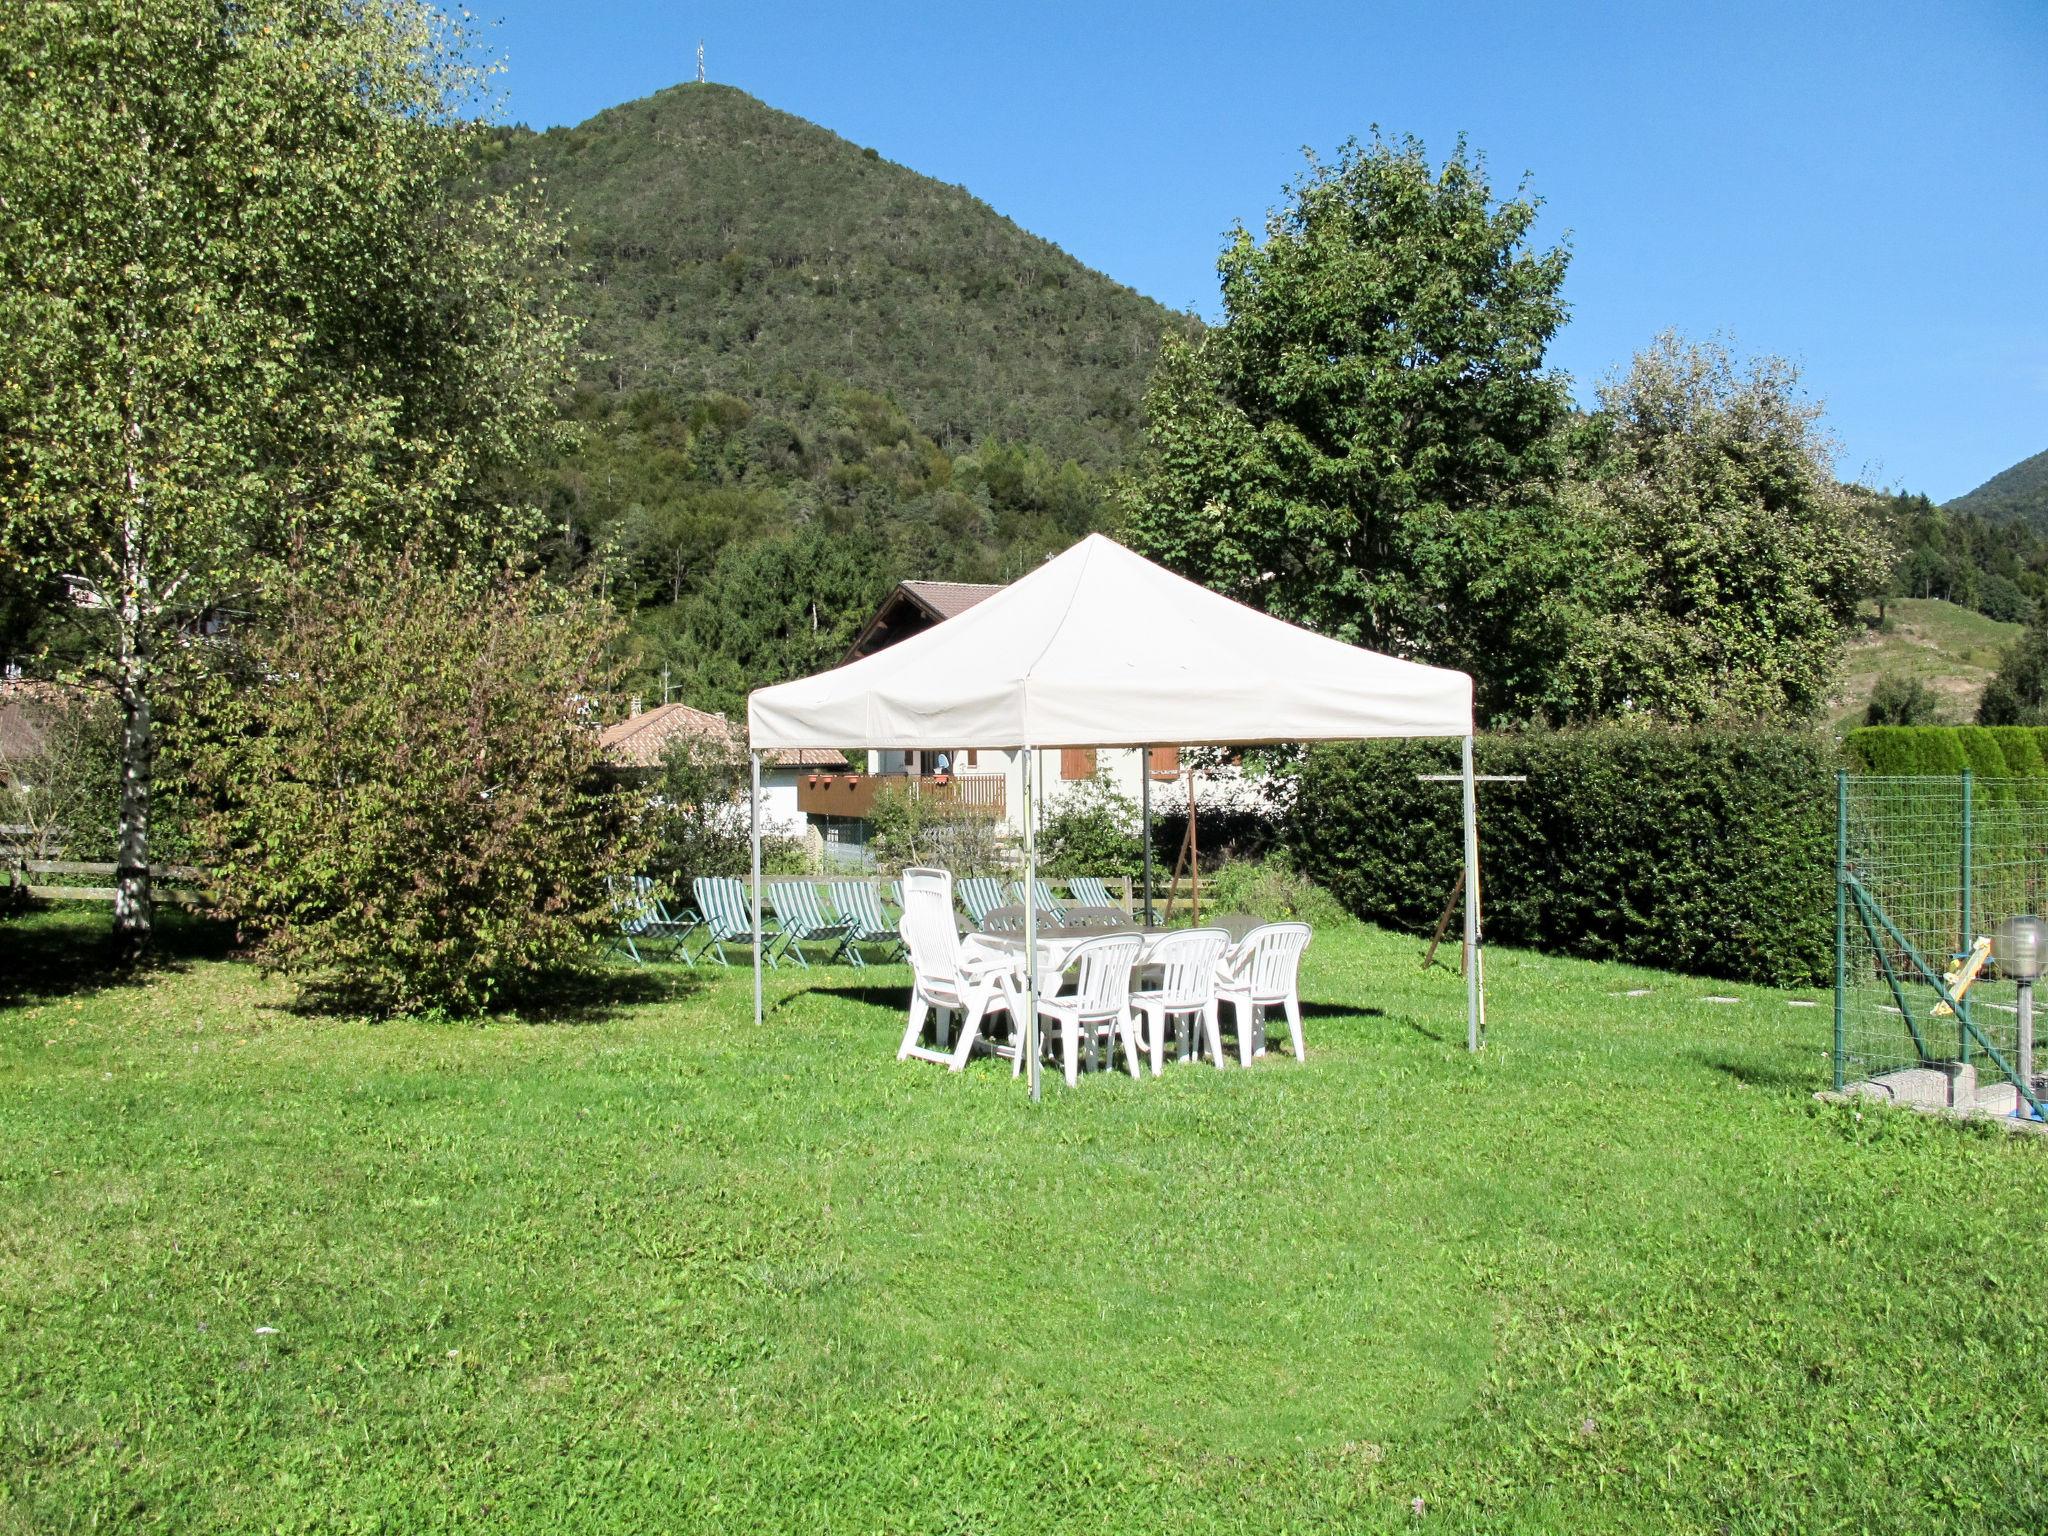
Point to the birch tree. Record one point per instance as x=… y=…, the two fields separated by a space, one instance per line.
x=246 y=316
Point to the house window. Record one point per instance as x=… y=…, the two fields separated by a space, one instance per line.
x=973 y=757
x=1077 y=762
x=1164 y=763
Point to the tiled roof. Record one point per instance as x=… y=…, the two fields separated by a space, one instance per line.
x=948 y=599
x=642 y=740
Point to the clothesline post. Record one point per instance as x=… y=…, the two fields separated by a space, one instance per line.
x=1475 y=1024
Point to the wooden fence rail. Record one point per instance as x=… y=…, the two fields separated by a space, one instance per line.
x=20 y=871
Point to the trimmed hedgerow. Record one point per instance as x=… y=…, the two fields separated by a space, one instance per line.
x=1906 y=751
x=1710 y=851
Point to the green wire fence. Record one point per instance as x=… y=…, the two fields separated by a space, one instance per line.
x=1924 y=867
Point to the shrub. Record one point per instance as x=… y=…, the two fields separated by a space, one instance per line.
x=1092 y=831
x=907 y=828
x=63 y=787
x=1709 y=851
x=1272 y=889
x=406 y=804
x=1907 y=751
x=698 y=821
x=1900 y=701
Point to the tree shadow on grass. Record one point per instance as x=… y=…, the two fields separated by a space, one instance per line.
x=570 y=999
x=67 y=950
x=1754 y=1075
x=892 y=998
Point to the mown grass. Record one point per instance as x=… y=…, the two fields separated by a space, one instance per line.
x=646 y=1267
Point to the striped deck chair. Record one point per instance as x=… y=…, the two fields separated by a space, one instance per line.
x=1090 y=892
x=980 y=895
x=729 y=918
x=646 y=930
x=1047 y=903
x=801 y=917
x=860 y=904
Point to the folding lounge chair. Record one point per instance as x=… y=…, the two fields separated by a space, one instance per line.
x=1090 y=892
x=1046 y=902
x=729 y=918
x=980 y=895
x=802 y=919
x=860 y=904
x=646 y=930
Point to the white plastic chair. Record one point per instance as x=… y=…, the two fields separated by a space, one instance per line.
x=1186 y=991
x=1100 y=1003
x=946 y=977
x=1260 y=972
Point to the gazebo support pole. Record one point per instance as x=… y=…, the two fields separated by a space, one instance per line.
x=1145 y=820
x=754 y=806
x=1028 y=1035
x=1475 y=998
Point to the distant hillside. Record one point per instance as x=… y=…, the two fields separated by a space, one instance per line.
x=1951 y=649
x=2016 y=495
x=732 y=247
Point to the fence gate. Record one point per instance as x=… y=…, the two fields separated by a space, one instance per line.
x=1924 y=867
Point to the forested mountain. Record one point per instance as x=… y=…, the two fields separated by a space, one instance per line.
x=2015 y=495
x=728 y=246
x=810 y=373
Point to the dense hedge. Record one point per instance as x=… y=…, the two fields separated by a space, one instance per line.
x=1990 y=751
x=1702 y=851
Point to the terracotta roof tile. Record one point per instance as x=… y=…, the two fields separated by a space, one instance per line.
x=949 y=599
x=642 y=740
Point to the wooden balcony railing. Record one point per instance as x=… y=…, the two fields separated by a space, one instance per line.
x=853 y=794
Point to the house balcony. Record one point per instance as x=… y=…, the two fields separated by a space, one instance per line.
x=853 y=794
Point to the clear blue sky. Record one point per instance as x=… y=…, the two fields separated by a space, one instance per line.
x=1861 y=187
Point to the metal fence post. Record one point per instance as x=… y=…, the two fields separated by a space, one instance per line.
x=1969 y=798
x=1841 y=922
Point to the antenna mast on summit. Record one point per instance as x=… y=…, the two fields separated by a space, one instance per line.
x=700 y=61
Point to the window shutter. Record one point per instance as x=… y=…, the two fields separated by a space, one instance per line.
x=1165 y=763
x=1077 y=762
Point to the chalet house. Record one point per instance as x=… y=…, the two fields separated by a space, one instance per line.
x=988 y=779
x=635 y=746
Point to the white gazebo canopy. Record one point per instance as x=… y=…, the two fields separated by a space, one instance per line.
x=1099 y=647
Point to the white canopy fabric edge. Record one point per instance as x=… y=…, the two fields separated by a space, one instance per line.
x=1100 y=647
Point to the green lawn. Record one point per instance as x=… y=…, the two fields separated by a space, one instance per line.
x=645 y=1267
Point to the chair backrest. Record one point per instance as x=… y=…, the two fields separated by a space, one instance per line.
x=1187 y=964
x=1111 y=916
x=892 y=892
x=1047 y=902
x=858 y=903
x=1269 y=958
x=722 y=900
x=796 y=904
x=1090 y=891
x=980 y=894
x=1101 y=969
x=1008 y=918
x=927 y=926
x=629 y=904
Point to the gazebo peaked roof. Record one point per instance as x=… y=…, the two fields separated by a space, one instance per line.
x=1100 y=647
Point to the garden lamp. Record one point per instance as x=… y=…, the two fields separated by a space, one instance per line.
x=2021 y=945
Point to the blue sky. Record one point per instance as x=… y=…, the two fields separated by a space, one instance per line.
x=1860 y=187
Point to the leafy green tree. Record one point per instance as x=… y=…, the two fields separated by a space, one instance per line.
x=1900 y=700
x=2018 y=692
x=1734 y=560
x=1093 y=829
x=403 y=775
x=1371 y=425
x=245 y=314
